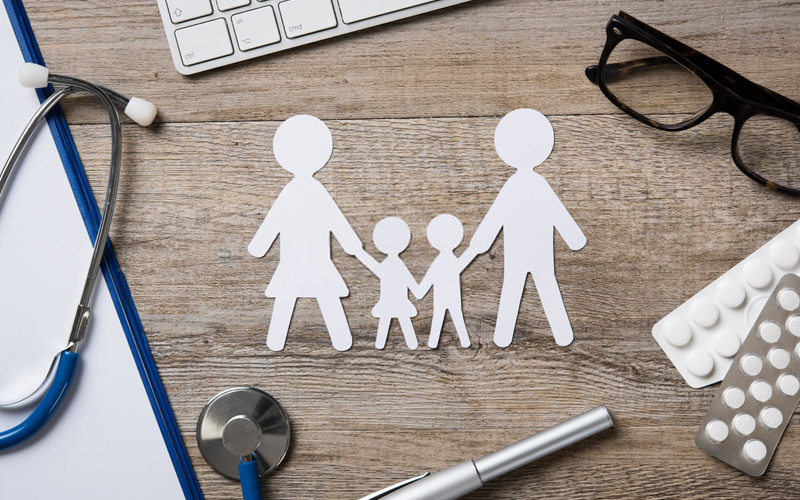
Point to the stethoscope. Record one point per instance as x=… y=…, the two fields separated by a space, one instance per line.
x=66 y=361
x=243 y=433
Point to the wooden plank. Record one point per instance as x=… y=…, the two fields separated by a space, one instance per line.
x=482 y=58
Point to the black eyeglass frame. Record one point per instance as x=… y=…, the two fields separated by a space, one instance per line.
x=732 y=93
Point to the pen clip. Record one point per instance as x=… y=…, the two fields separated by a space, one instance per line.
x=394 y=487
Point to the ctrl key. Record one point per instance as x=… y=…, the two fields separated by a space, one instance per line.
x=204 y=42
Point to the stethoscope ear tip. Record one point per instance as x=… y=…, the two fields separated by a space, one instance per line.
x=141 y=111
x=33 y=76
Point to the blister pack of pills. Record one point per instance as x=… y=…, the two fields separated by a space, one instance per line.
x=702 y=336
x=759 y=394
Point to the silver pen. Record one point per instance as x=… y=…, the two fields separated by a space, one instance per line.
x=468 y=476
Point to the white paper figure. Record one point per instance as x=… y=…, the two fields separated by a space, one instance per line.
x=392 y=236
x=304 y=214
x=527 y=210
x=445 y=233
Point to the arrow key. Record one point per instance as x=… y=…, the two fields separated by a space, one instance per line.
x=185 y=10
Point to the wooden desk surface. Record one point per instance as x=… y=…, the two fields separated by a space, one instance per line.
x=412 y=108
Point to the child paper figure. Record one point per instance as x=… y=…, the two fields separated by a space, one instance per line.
x=527 y=210
x=445 y=233
x=392 y=236
x=305 y=215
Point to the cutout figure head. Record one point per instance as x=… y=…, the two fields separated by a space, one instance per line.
x=391 y=235
x=524 y=139
x=445 y=232
x=302 y=145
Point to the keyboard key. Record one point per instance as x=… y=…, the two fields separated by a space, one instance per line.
x=358 y=10
x=302 y=17
x=256 y=28
x=181 y=11
x=231 y=4
x=203 y=42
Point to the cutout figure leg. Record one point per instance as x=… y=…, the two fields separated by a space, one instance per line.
x=436 y=327
x=383 y=332
x=408 y=332
x=458 y=319
x=336 y=322
x=553 y=303
x=279 y=323
x=510 y=298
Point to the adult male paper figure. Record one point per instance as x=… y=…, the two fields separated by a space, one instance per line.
x=527 y=210
x=305 y=215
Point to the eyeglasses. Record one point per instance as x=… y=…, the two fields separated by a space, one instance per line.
x=670 y=86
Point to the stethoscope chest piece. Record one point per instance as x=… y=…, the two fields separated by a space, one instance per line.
x=243 y=422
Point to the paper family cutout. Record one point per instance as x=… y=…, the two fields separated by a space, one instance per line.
x=305 y=215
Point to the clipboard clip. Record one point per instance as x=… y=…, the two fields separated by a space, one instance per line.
x=382 y=493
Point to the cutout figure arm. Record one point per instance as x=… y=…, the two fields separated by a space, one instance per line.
x=489 y=228
x=564 y=223
x=413 y=286
x=341 y=229
x=268 y=231
x=424 y=285
x=369 y=262
x=466 y=259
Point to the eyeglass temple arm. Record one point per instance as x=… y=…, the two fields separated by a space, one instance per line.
x=620 y=70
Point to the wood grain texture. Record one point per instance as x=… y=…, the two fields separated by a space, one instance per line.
x=412 y=108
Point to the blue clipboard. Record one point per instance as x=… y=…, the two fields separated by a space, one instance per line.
x=118 y=287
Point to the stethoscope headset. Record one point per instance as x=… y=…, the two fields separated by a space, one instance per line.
x=65 y=362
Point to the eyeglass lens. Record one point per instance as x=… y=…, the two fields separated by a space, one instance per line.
x=655 y=85
x=770 y=147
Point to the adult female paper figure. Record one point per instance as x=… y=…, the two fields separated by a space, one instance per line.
x=305 y=215
x=527 y=210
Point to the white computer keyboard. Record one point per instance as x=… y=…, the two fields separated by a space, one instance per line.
x=206 y=34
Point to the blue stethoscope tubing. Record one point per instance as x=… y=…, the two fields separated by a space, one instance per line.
x=66 y=362
x=248 y=475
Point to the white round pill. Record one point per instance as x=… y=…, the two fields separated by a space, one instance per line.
x=744 y=424
x=751 y=364
x=754 y=308
x=788 y=299
x=769 y=332
x=717 y=431
x=677 y=332
x=797 y=350
x=761 y=391
x=726 y=343
x=793 y=325
x=700 y=363
x=755 y=450
x=779 y=358
x=788 y=384
x=771 y=417
x=757 y=273
x=733 y=397
x=731 y=293
x=784 y=254
x=704 y=312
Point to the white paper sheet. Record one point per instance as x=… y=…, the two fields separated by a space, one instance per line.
x=104 y=442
